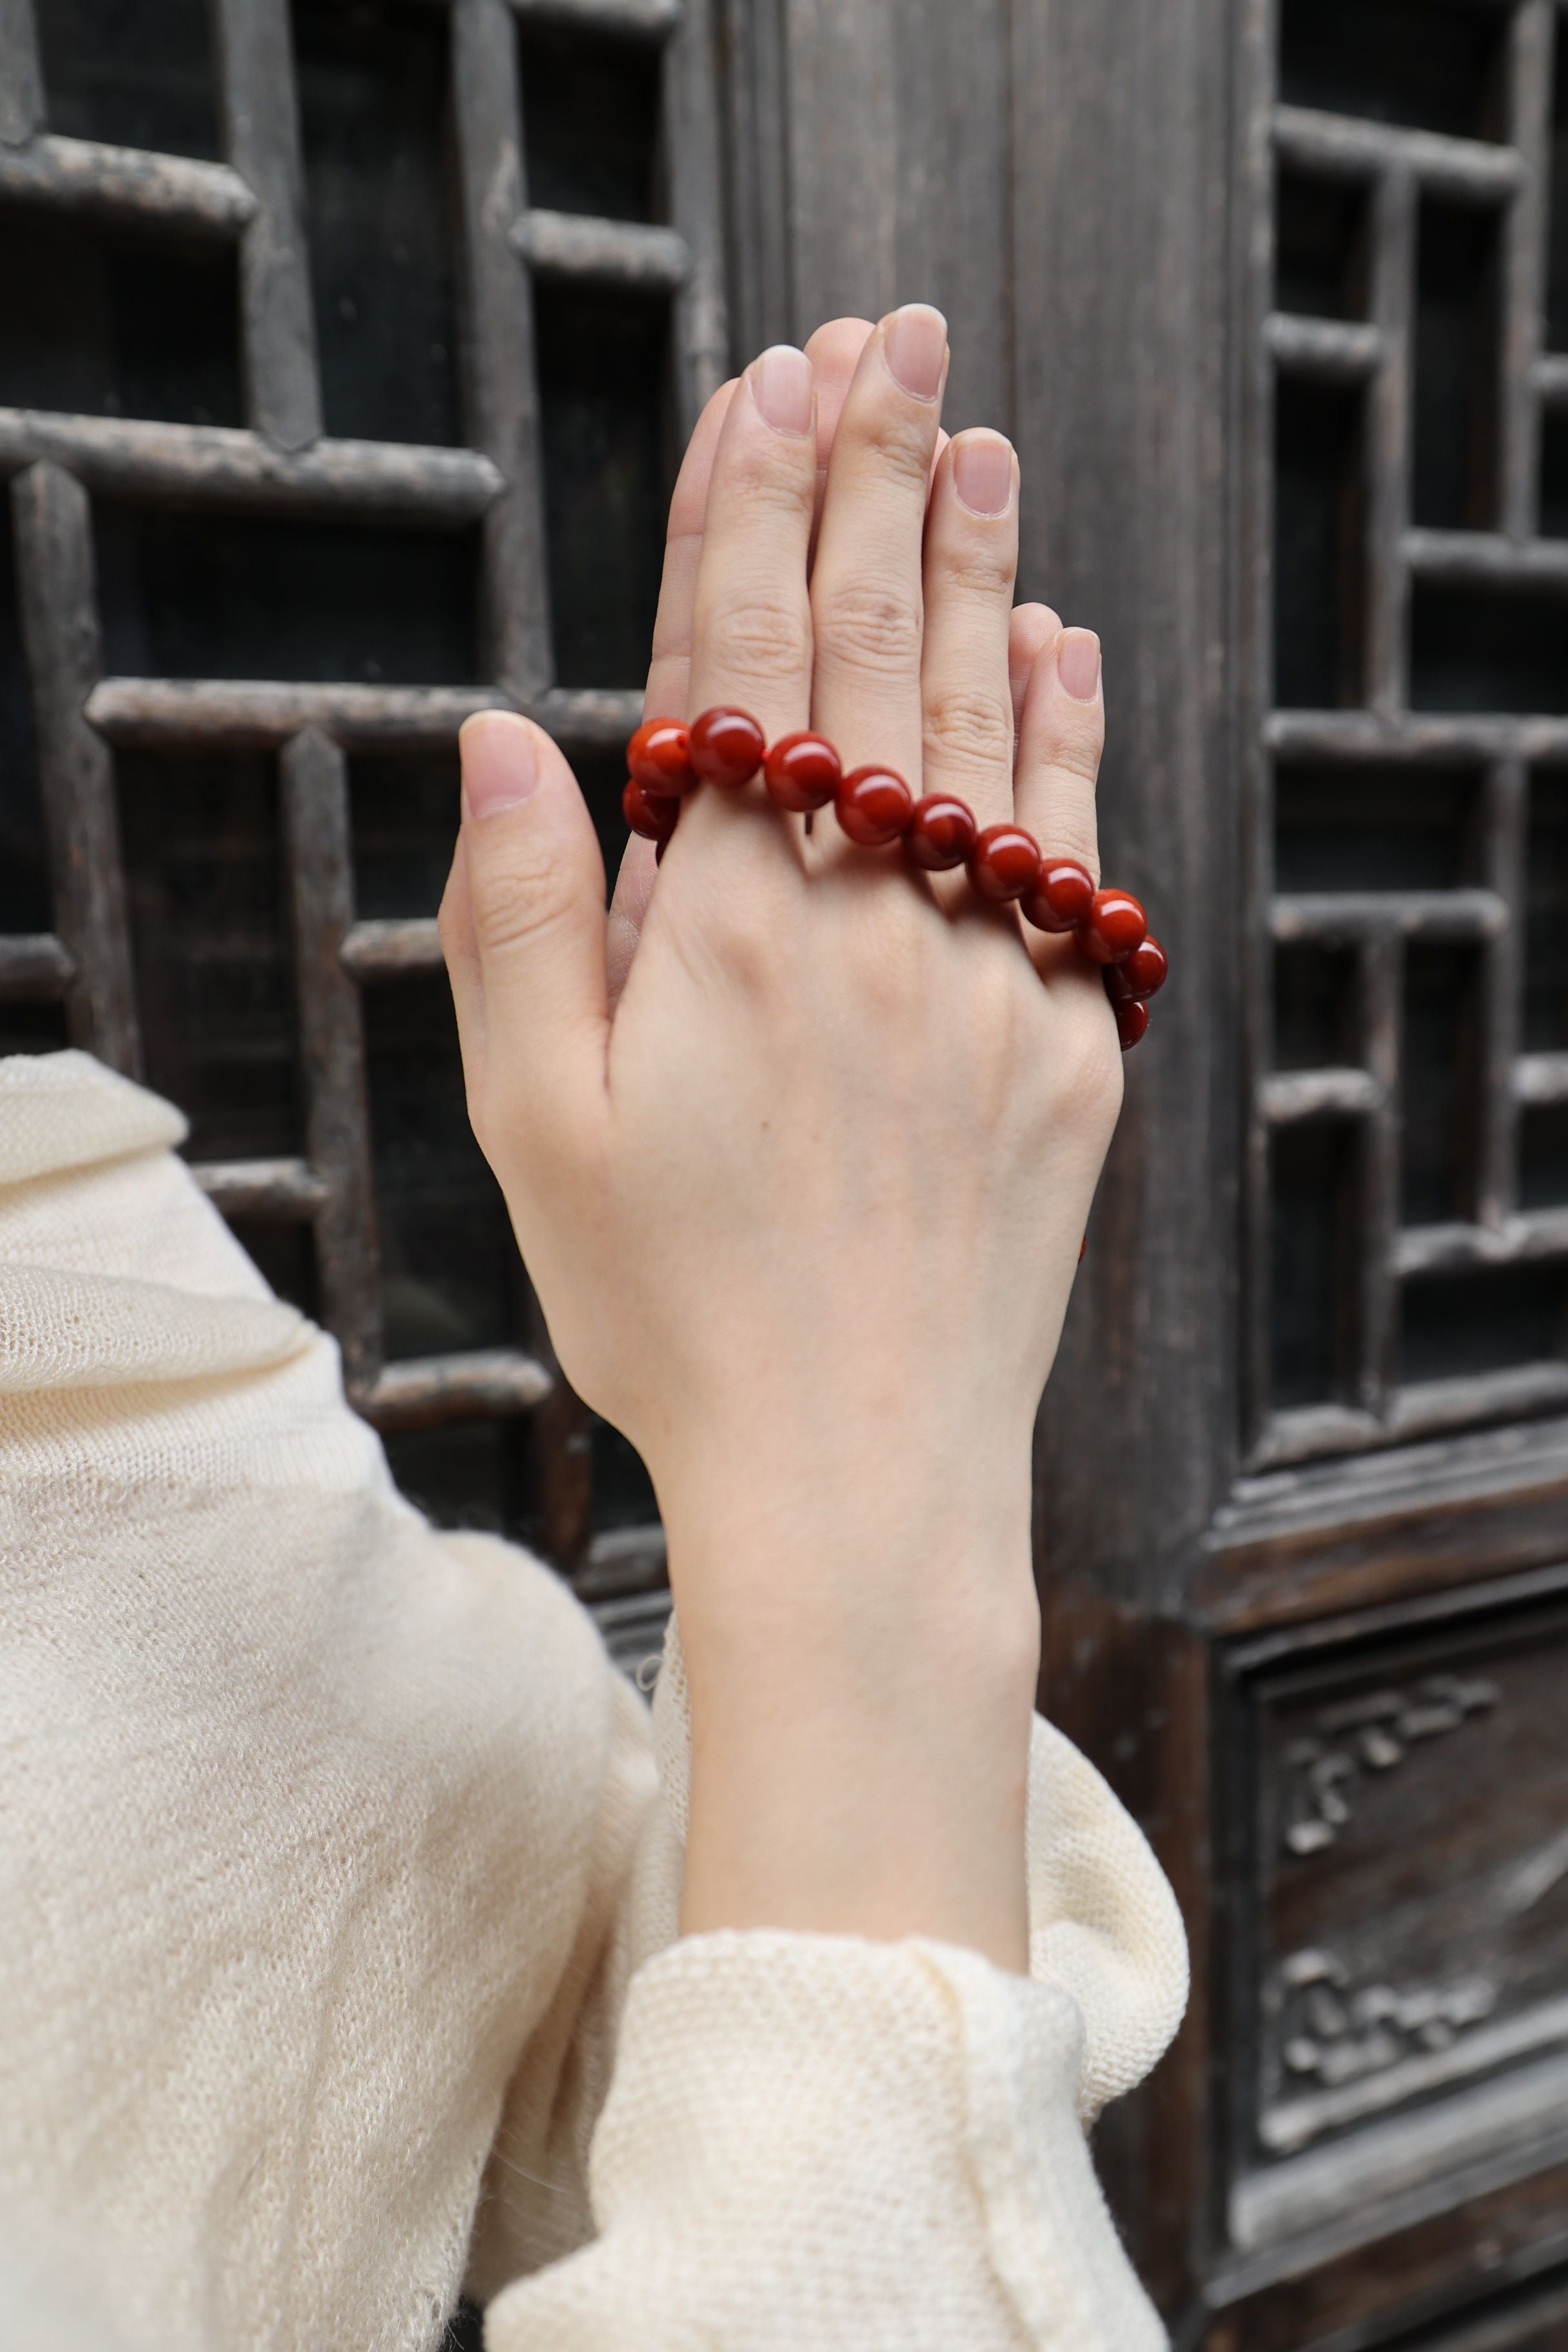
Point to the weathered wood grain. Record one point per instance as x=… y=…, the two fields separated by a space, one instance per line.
x=261 y=120
x=21 y=75
x=1345 y=146
x=500 y=386
x=290 y=1191
x=52 y=527
x=628 y=254
x=77 y=176
x=219 y=466
x=36 y=968
x=314 y=777
x=429 y=1391
x=259 y=714
x=386 y=950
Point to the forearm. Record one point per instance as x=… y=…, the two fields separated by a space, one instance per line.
x=861 y=1684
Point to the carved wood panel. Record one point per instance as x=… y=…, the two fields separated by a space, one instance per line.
x=1406 y=1952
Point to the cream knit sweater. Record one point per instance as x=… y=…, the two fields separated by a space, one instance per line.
x=339 y=1875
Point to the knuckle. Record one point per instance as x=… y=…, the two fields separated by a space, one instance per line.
x=512 y=900
x=757 y=637
x=890 y=438
x=866 y=626
x=968 y=730
x=977 y=565
x=1078 y=745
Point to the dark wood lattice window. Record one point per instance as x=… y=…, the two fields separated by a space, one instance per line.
x=348 y=346
x=1409 y=1141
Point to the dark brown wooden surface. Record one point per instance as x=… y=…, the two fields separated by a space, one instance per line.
x=1186 y=251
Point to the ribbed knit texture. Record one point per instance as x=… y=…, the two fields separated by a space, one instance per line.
x=338 y=1897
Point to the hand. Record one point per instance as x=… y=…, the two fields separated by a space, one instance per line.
x=803 y=1213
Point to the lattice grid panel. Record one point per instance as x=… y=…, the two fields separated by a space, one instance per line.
x=281 y=465
x=1408 y=1181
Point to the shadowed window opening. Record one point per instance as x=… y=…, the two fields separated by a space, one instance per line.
x=1318 y=551
x=607 y=433
x=1546 y=914
x=1433 y=65
x=1440 y=1076
x=1356 y=826
x=591 y=123
x=1455 y=484
x=188 y=595
x=380 y=218
x=211 y=942
x=1320 y=247
x=1488 y=649
x=116 y=324
x=1458 y=1324
x=1312 y=1221
x=134 y=73
x=1315 y=1008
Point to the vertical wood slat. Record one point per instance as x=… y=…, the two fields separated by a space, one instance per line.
x=21 y=74
x=691 y=145
x=261 y=116
x=501 y=383
x=1382 y=987
x=1529 y=67
x=314 y=776
x=761 y=257
x=1388 y=450
x=53 y=521
x=1505 y=817
x=1252 y=262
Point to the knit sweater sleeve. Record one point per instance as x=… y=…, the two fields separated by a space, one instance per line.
x=339 y=1893
x=821 y=2143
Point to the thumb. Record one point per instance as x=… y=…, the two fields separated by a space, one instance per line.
x=534 y=1027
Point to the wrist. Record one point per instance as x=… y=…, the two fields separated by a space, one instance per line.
x=861 y=1675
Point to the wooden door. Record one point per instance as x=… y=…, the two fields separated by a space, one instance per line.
x=387 y=316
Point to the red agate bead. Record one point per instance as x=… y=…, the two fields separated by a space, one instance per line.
x=1061 y=898
x=727 y=746
x=1115 y=925
x=659 y=757
x=874 y=806
x=1004 y=862
x=1143 y=974
x=653 y=815
x=1131 y=1020
x=803 y=770
x=941 y=833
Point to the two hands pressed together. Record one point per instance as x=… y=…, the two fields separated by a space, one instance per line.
x=799 y=1145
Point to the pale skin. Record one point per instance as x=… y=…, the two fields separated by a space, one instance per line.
x=799 y=1149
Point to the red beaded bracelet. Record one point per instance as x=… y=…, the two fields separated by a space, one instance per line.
x=875 y=806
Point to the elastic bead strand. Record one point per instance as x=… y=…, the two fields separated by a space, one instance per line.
x=802 y=772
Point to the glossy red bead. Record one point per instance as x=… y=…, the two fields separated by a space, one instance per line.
x=1061 y=898
x=1004 y=862
x=1115 y=925
x=874 y=806
x=941 y=832
x=803 y=770
x=659 y=757
x=1131 y=1020
x=1143 y=975
x=727 y=746
x=653 y=815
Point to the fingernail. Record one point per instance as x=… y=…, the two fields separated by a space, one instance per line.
x=983 y=472
x=782 y=386
x=500 y=767
x=1077 y=663
x=916 y=349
